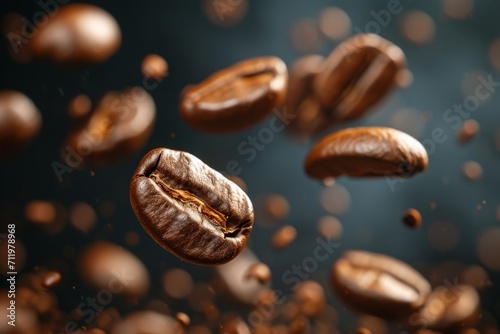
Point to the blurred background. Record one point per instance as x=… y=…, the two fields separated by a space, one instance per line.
x=449 y=45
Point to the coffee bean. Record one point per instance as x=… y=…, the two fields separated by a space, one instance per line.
x=357 y=75
x=284 y=237
x=450 y=308
x=147 y=322
x=378 y=285
x=412 y=218
x=118 y=127
x=183 y=319
x=177 y=283
x=260 y=272
x=472 y=170
x=310 y=298
x=362 y=330
x=103 y=263
x=79 y=106
x=76 y=34
x=366 y=151
x=234 y=326
x=310 y=117
x=417 y=27
x=236 y=98
x=50 y=279
x=467 y=131
x=276 y=206
x=154 y=67
x=190 y=209
x=20 y=122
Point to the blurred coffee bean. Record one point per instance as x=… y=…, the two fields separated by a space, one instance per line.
x=450 y=308
x=458 y=9
x=277 y=207
x=310 y=298
x=235 y=282
x=363 y=330
x=488 y=248
x=118 y=127
x=225 y=13
x=283 y=237
x=468 y=130
x=357 y=75
x=472 y=170
x=476 y=277
x=189 y=209
x=378 y=285
x=418 y=27
x=20 y=122
x=310 y=117
x=50 y=279
x=234 y=326
x=335 y=199
x=76 y=34
x=154 y=67
x=79 y=106
x=106 y=266
x=237 y=97
x=366 y=151
x=412 y=218
x=330 y=228
x=183 y=319
x=334 y=23
x=82 y=216
x=306 y=36
x=260 y=272
x=147 y=322
x=177 y=283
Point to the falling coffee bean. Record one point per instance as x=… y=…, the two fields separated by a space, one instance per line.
x=358 y=74
x=236 y=98
x=190 y=209
x=147 y=322
x=75 y=34
x=119 y=126
x=366 y=151
x=412 y=218
x=50 y=279
x=154 y=67
x=20 y=122
x=260 y=272
x=379 y=285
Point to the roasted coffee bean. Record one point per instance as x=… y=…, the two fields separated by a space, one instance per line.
x=103 y=262
x=283 y=237
x=310 y=298
x=450 y=309
x=147 y=322
x=412 y=218
x=379 y=285
x=259 y=272
x=79 y=106
x=357 y=75
x=236 y=98
x=50 y=279
x=154 y=67
x=234 y=326
x=183 y=319
x=118 y=127
x=190 y=209
x=20 y=122
x=366 y=151
x=309 y=116
x=76 y=34
x=467 y=131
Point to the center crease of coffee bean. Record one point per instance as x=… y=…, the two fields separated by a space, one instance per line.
x=188 y=198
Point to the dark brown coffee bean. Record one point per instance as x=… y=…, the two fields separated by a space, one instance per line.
x=234 y=326
x=236 y=98
x=366 y=151
x=412 y=218
x=154 y=67
x=357 y=75
x=147 y=322
x=79 y=106
x=309 y=116
x=283 y=237
x=103 y=262
x=75 y=34
x=20 y=122
x=362 y=330
x=450 y=308
x=190 y=209
x=50 y=279
x=379 y=285
x=119 y=126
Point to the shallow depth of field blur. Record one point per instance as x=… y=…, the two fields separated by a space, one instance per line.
x=448 y=50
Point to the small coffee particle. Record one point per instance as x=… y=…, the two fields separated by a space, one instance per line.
x=284 y=237
x=467 y=131
x=50 y=279
x=472 y=170
x=412 y=218
x=154 y=67
x=260 y=272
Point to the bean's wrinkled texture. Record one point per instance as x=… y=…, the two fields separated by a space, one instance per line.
x=366 y=151
x=357 y=75
x=379 y=285
x=236 y=98
x=76 y=34
x=119 y=126
x=190 y=209
x=20 y=122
